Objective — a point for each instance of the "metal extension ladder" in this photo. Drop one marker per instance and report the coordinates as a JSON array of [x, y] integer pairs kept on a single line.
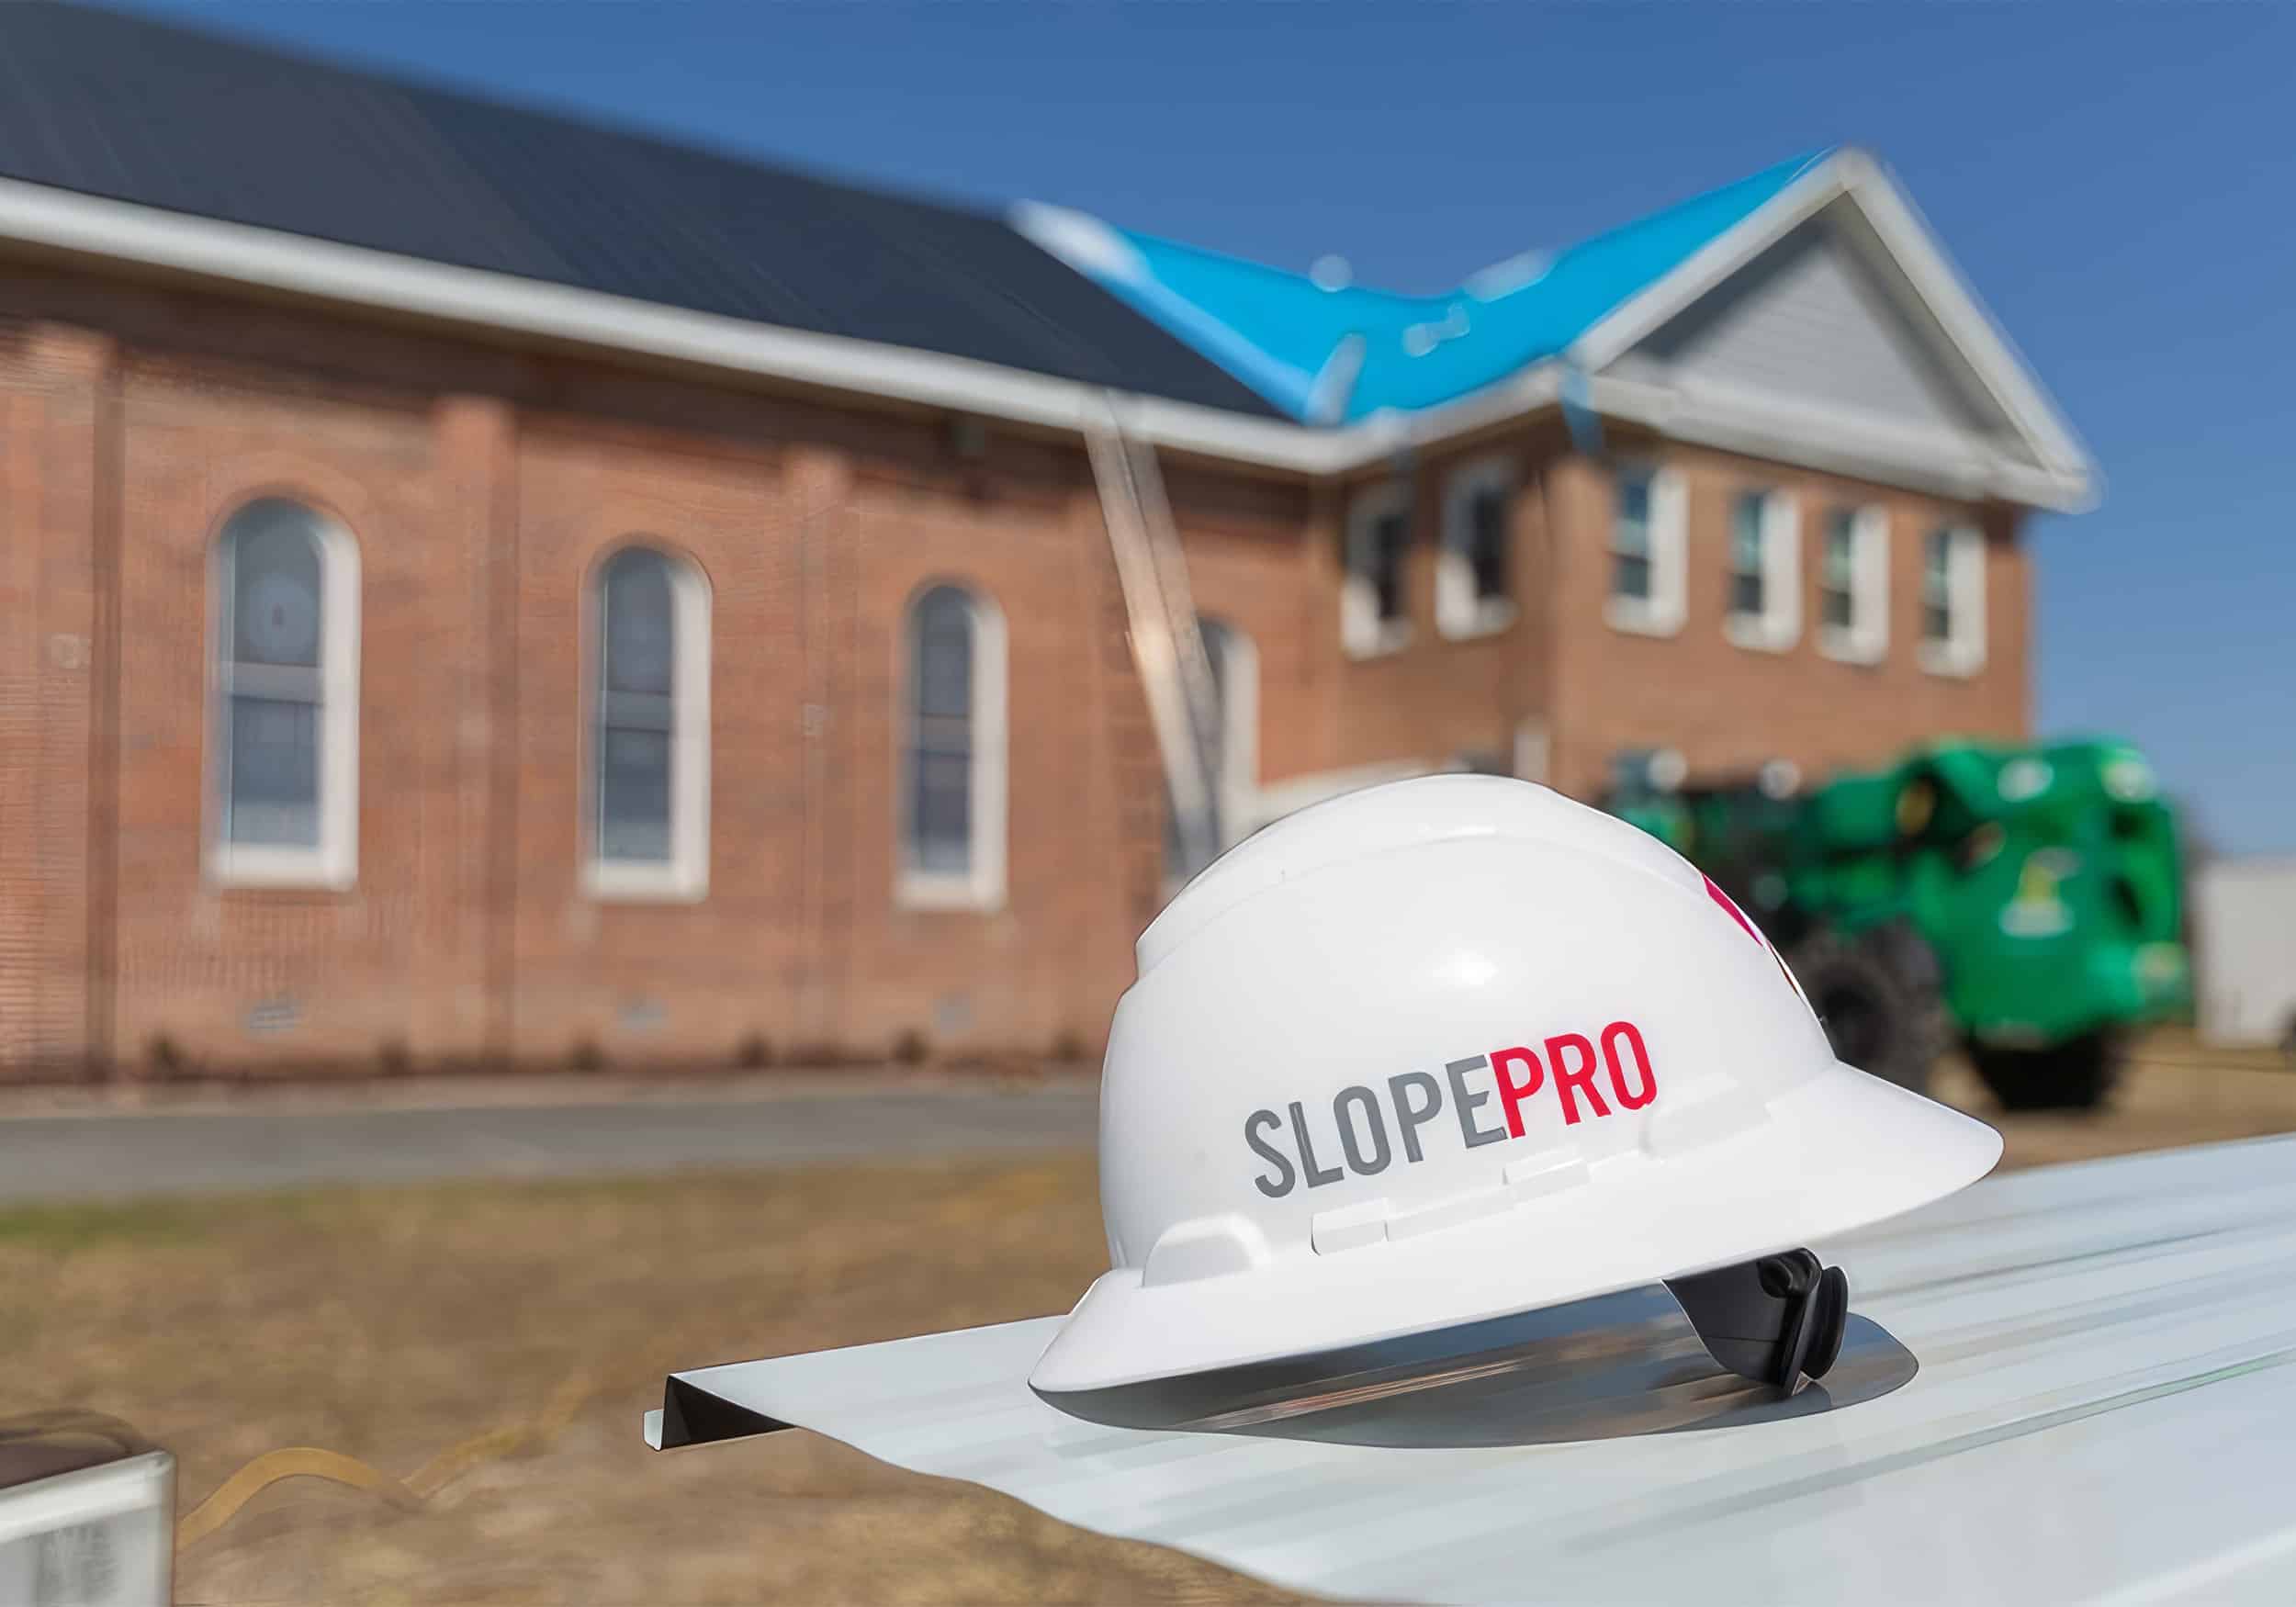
[[1167, 643]]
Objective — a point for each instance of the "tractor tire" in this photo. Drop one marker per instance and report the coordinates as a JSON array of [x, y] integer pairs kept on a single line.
[[2077, 1074], [1879, 998]]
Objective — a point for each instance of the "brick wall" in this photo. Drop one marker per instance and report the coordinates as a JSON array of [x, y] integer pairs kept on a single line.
[[1728, 708], [1439, 699], [483, 488], [482, 492], [56, 406]]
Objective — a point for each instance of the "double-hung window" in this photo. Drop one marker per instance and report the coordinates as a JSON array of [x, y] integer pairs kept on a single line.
[[1853, 586], [1649, 536], [1952, 600], [1763, 578], [1375, 605], [1475, 571]]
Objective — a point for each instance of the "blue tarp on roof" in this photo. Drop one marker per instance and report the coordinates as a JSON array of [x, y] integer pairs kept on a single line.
[[1334, 355]]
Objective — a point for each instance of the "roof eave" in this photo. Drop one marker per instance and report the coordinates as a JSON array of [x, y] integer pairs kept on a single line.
[[79, 225], [1932, 461], [93, 227]]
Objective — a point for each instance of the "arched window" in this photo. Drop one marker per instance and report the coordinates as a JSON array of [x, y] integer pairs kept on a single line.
[[285, 731], [1235, 678], [953, 783], [649, 755]]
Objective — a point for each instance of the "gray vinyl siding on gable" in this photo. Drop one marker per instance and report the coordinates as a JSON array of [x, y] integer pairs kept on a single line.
[[1806, 321]]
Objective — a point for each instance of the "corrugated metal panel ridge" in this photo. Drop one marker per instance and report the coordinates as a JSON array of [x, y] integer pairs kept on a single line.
[[132, 110], [2104, 1381]]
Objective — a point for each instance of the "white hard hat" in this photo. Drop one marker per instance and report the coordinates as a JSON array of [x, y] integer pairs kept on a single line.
[[1455, 1048]]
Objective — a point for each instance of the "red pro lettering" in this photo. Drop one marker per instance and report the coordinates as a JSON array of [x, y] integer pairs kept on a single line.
[[1511, 1093], [1573, 1081]]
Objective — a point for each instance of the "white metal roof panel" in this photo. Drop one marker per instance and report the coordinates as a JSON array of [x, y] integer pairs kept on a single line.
[[2104, 1411]]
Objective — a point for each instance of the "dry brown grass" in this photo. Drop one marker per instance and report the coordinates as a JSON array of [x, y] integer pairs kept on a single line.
[[391, 1324]]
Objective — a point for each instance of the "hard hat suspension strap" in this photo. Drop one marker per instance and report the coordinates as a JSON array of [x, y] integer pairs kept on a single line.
[[1776, 1320]]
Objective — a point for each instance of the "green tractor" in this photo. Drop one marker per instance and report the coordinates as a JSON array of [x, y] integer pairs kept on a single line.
[[2024, 900]]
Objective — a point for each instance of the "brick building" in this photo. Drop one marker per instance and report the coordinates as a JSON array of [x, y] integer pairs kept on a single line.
[[478, 588]]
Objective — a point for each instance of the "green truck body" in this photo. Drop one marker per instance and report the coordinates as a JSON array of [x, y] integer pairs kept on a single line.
[[2040, 887]]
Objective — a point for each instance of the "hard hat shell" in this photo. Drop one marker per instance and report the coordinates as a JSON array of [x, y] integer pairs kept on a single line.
[[1454, 1047]]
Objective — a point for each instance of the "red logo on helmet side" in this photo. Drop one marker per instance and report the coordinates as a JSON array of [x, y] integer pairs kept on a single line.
[[1598, 1076], [1730, 907]]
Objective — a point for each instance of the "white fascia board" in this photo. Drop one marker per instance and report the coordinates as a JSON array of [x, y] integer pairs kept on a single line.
[[327, 270], [1642, 315], [2066, 477], [1754, 423], [1372, 441], [1760, 425], [1979, 339], [66, 221]]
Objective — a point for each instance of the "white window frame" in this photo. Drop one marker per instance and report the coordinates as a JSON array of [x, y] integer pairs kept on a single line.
[[1661, 613], [980, 886], [1963, 652], [684, 876], [1362, 632], [333, 864], [1461, 613], [1779, 624], [1866, 639]]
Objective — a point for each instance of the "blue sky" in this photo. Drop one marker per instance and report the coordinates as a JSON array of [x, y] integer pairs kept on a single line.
[[2119, 182]]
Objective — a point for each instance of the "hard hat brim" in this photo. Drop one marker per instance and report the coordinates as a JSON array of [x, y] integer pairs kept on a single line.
[[1834, 1154]]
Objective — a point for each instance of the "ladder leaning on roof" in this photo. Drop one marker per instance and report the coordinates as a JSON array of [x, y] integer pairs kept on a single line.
[[1167, 641]]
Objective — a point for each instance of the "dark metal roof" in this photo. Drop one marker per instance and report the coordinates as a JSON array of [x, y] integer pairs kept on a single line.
[[136, 111]]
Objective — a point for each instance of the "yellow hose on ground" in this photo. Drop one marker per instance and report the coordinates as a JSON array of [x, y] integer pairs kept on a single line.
[[292, 1461], [410, 1494]]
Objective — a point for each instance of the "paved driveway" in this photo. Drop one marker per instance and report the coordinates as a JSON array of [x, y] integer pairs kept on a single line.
[[85, 1157]]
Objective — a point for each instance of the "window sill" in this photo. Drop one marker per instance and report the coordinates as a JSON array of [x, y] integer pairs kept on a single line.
[[1392, 638], [627, 882], [283, 870], [1955, 663], [1756, 635], [1848, 647], [1639, 618], [1489, 617], [919, 889]]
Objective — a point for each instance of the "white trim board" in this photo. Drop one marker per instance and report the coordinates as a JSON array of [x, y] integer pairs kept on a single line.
[[328, 271], [1977, 342], [88, 226]]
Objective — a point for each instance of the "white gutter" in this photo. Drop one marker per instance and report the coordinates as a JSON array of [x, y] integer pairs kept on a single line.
[[1936, 461], [64, 220], [242, 253], [1757, 425]]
